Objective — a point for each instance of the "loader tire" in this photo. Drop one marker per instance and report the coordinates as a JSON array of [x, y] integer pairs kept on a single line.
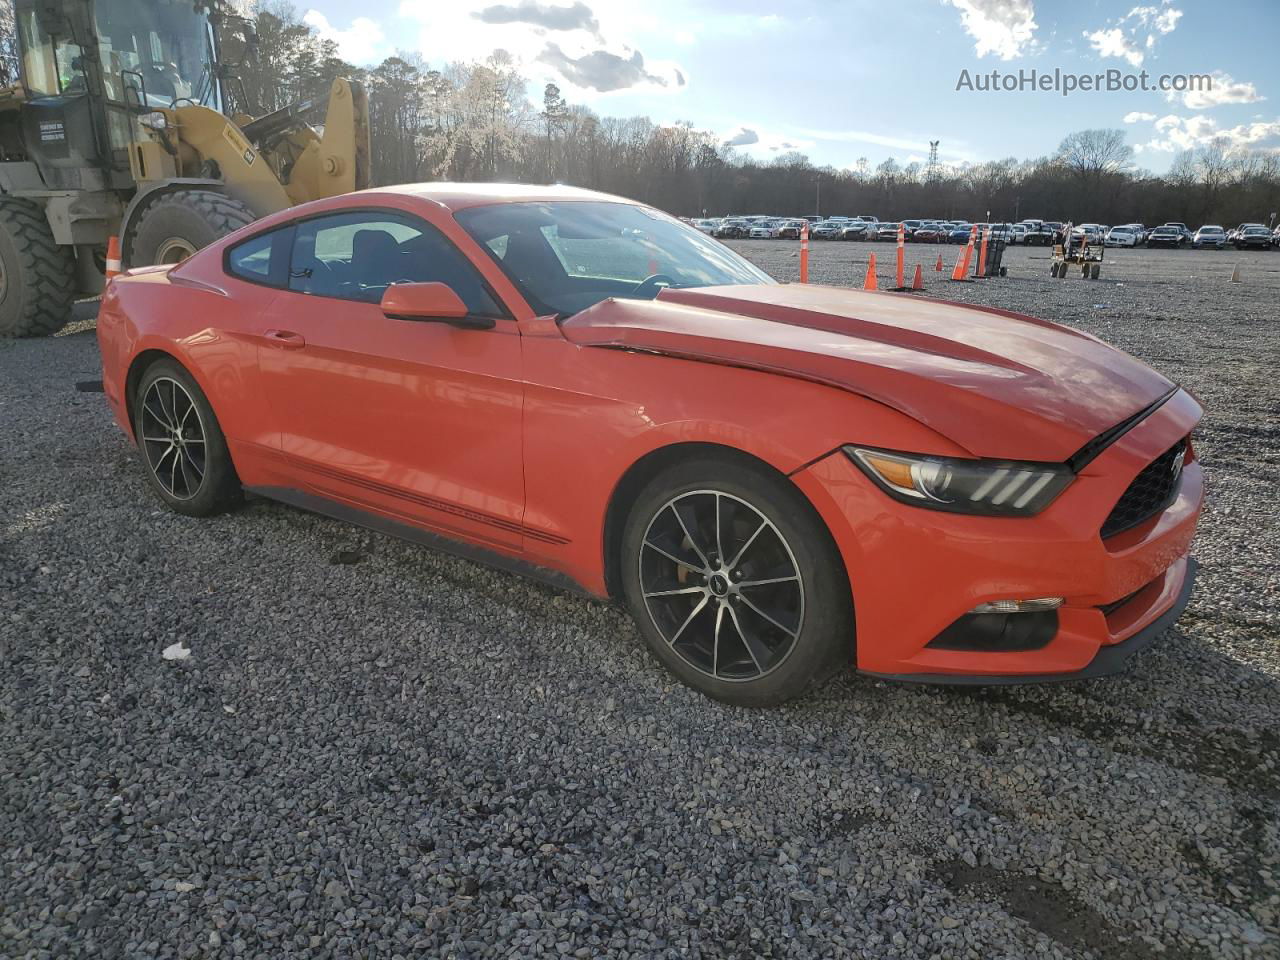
[[177, 224], [37, 277]]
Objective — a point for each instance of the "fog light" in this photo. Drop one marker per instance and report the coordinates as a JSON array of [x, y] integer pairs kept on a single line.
[[1039, 605]]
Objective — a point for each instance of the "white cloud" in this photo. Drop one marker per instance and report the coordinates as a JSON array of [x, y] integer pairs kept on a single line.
[[1133, 37], [361, 43], [761, 143], [1187, 133], [1115, 43], [905, 144], [1223, 89], [1004, 28], [1136, 116], [587, 47], [742, 137]]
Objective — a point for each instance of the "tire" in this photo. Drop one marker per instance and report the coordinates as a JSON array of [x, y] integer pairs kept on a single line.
[[775, 533], [1095, 271], [36, 275], [188, 481], [1053, 270], [177, 224]]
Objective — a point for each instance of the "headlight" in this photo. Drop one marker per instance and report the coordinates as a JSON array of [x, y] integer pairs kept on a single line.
[[999, 488]]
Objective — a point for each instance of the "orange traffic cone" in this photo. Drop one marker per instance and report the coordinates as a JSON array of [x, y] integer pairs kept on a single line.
[[804, 253], [870, 282], [962, 262], [900, 285], [938, 266], [917, 283], [113, 257], [982, 257]]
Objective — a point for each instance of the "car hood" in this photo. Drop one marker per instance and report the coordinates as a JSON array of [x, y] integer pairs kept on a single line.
[[997, 383]]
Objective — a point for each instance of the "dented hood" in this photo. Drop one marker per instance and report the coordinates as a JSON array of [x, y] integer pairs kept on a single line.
[[997, 383]]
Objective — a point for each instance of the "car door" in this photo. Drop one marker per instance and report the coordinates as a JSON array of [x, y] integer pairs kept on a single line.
[[417, 420]]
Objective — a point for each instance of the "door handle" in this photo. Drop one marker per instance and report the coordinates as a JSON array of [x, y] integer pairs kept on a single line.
[[285, 339]]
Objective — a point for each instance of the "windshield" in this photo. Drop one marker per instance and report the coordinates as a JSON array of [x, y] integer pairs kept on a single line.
[[167, 43], [567, 256]]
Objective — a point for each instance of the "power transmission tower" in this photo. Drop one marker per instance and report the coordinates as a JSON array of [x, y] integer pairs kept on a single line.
[[931, 170]]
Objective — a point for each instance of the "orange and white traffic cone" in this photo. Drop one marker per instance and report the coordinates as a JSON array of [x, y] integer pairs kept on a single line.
[[937, 267], [804, 252], [902, 235], [982, 257], [962, 262], [113, 258], [870, 282], [917, 282]]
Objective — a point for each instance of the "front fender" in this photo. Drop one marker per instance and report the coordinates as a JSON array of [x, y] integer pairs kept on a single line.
[[591, 415]]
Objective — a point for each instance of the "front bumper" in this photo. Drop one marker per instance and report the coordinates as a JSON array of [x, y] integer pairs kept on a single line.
[[915, 572], [1111, 658]]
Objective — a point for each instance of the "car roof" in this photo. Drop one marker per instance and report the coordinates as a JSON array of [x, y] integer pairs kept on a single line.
[[459, 196]]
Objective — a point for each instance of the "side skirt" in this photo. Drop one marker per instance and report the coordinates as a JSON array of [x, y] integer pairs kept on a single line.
[[417, 535]]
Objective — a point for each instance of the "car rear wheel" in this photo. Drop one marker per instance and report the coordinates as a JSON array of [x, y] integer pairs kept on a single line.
[[182, 446], [735, 582]]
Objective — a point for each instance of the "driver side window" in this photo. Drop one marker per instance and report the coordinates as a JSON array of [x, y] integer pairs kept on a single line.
[[356, 256]]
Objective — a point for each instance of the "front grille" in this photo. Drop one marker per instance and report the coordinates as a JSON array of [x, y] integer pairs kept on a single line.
[[1151, 491]]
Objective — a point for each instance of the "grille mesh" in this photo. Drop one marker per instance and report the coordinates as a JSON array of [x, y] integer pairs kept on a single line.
[[1151, 491]]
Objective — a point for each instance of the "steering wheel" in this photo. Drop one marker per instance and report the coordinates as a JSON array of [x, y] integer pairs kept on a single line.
[[652, 281]]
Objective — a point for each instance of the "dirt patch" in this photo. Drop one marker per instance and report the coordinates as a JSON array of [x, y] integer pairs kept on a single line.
[[1050, 909]]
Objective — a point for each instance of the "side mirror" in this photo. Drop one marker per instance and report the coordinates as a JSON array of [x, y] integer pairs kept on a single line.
[[430, 302]]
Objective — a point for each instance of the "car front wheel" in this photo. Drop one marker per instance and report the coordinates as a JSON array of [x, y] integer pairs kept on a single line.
[[735, 582]]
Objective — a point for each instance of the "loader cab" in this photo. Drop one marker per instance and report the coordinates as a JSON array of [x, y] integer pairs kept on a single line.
[[91, 69]]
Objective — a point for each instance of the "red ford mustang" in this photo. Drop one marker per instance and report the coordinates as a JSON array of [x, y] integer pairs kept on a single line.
[[778, 480]]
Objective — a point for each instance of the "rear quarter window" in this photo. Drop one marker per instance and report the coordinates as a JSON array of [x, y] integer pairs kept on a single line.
[[262, 259]]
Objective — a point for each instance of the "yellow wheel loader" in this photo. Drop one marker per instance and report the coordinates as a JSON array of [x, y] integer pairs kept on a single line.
[[116, 124]]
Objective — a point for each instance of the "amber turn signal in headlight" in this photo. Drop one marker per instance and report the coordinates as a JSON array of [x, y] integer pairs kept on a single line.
[[1000, 488]]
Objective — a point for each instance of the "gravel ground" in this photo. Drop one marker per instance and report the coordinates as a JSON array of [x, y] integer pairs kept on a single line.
[[377, 751]]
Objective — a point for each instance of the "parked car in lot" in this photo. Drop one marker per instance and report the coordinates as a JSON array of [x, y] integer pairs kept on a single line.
[[1209, 236], [1182, 229], [1253, 238], [931, 231], [790, 229], [855, 230], [1275, 237], [732, 230], [827, 230], [1018, 233], [1040, 233], [765, 230], [1166, 236], [705, 226], [1094, 232], [960, 233], [1121, 237], [886, 233], [502, 371]]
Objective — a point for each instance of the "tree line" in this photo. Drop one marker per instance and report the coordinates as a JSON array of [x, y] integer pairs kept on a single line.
[[477, 121]]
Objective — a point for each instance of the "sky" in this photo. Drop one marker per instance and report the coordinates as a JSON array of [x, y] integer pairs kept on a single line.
[[843, 80]]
